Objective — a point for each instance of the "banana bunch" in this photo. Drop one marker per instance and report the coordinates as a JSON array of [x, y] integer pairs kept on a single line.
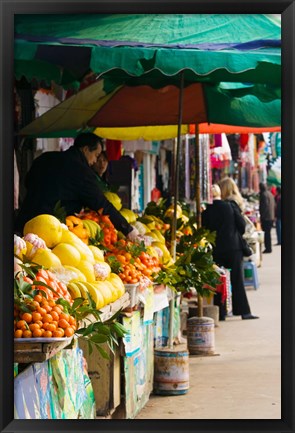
[[92, 228]]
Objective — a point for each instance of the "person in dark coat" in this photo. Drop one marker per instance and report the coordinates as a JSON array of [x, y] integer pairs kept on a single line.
[[226, 220], [278, 215], [267, 214], [67, 177]]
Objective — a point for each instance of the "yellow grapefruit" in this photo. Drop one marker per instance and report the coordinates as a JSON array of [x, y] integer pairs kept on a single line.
[[46, 258], [70, 238], [97, 253], [106, 290], [67, 253], [77, 274], [96, 295], [47, 227], [87, 269], [116, 281]]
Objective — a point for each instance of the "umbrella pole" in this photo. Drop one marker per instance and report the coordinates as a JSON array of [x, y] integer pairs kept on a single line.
[[176, 191], [198, 203]]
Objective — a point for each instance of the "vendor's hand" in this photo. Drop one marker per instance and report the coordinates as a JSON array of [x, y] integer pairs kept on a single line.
[[133, 235]]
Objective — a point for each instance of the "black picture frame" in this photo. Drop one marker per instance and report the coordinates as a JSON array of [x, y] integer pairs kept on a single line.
[[8, 9]]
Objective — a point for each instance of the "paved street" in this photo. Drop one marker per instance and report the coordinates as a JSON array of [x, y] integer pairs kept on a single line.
[[243, 380]]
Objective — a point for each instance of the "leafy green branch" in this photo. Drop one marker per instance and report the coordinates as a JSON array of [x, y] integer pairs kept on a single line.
[[136, 248], [96, 333], [115, 265]]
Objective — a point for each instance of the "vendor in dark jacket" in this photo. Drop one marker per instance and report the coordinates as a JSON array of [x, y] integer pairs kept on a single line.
[[67, 177], [226, 220]]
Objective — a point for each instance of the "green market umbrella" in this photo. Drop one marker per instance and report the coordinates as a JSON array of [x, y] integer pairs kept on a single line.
[[156, 50], [207, 48], [107, 105]]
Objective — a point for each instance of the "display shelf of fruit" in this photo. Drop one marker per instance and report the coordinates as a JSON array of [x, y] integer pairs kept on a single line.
[[34, 350], [36, 316], [80, 268]]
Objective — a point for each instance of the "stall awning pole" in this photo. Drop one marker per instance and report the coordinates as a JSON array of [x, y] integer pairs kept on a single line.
[[198, 202], [176, 192]]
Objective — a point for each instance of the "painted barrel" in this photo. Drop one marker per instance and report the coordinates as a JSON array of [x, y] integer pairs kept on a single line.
[[171, 371], [200, 335]]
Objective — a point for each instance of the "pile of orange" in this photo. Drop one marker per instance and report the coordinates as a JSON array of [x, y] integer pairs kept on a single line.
[[133, 268], [47, 319], [75, 225], [107, 227]]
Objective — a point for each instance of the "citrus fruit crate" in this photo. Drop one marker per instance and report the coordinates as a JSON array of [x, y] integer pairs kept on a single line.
[[27, 350]]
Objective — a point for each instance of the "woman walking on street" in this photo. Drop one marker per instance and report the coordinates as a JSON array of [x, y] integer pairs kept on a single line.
[[224, 217], [267, 214]]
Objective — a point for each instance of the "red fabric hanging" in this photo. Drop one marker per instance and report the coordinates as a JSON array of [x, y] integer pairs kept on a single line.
[[221, 288], [113, 149], [244, 138], [155, 194], [217, 140]]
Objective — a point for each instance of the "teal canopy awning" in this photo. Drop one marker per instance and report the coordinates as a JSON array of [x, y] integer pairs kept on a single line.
[[207, 48]]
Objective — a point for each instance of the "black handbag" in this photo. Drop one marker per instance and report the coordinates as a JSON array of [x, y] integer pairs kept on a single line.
[[246, 249]]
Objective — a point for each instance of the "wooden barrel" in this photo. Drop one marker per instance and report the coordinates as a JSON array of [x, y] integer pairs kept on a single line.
[[200, 335], [171, 371]]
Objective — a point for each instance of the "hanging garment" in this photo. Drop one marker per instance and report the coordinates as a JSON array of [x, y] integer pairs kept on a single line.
[[114, 149]]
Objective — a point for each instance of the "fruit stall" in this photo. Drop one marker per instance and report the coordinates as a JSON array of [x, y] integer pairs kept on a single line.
[[89, 300], [77, 284]]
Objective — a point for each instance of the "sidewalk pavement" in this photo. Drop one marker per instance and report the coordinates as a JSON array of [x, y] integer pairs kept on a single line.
[[243, 380]]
